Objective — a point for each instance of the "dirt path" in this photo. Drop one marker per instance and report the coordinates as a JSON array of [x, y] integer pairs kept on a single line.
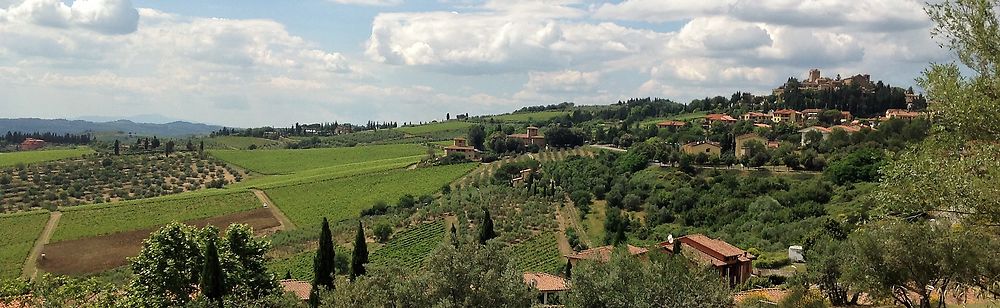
[[30, 268], [574, 220], [286, 224], [564, 247]]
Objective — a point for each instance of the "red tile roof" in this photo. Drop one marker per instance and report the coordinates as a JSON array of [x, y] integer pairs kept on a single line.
[[298, 287], [603, 253], [710, 250], [671, 123], [786, 112], [545, 282], [719, 117]]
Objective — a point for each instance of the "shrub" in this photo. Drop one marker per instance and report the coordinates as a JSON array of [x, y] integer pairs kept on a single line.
[[382, 231]]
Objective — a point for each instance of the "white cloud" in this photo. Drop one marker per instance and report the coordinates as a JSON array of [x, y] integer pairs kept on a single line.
[[104, 16]]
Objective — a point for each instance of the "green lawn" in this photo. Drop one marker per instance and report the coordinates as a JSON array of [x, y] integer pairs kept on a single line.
[[344, 198], [17, 236], [432, 128], [529, 116], [100, 219], [289, 161], [30, 157]]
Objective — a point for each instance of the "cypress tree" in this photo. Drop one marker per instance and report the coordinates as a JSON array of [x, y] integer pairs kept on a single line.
[[288, 275], [360, 257], [313, 297], [569, 269], [213, 280], [117, 147], [454, 236], [677, 246], [323, 268], [486, 232]]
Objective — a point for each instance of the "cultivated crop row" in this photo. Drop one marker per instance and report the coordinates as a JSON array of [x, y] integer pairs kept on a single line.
[[18, 233], [290, 161], [539, 254], [409, 248], [93, 220]]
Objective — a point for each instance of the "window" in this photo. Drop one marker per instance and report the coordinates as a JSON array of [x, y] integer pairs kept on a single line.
[[709, 150]]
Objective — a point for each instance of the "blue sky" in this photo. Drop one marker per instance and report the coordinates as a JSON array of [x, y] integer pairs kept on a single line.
[[253, 63]]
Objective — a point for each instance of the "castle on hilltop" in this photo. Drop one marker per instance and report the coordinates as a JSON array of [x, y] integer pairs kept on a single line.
[[817, 82]]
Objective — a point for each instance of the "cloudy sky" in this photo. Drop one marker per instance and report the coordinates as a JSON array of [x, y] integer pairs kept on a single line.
[[256, 62]]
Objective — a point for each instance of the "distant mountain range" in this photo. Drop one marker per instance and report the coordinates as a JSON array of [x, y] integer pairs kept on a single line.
[[62, 126]]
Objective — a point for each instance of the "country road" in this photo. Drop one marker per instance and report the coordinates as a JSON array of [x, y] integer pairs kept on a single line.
[[30, 268], [286, 224]]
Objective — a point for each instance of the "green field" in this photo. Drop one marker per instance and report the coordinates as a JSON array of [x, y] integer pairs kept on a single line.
[[17, 236], [344, 198], [93, 220], [409, 248], [327, 173], [239, 142], [30, 157], [289, 161], [539, 254], [434, 128], [529, 116]]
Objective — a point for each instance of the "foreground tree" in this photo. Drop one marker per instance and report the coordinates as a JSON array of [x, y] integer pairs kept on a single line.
[[323, 263], [360, 256], [167, 269], [470, 275], [626, 281], [213, 280], [486, 232]]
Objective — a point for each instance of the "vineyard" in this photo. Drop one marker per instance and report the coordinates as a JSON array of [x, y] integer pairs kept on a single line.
[[539, 254], [94, 220], [31, 157], [17, 236], [274, 162], [448, 129], [240, 143], [343, 198], [409, 248], [328, 173], [99, 179], [300, 265]]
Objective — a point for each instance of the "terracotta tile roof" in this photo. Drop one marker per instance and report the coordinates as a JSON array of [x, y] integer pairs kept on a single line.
[[709, 250], [298, 287], [545, 282], [786, 112], [772, 294], [712, 143], [671, 123], [762, 125], [16, 302], [716, 245], [816, 128], [603, 253], [849, 129], [756, 114], [525, 136], [719, 117], [812, 110]]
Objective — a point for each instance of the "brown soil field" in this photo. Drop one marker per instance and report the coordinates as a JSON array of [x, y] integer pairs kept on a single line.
[[102, 253]]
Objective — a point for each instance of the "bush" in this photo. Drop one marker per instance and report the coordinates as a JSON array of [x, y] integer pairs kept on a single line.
[[382, 231]]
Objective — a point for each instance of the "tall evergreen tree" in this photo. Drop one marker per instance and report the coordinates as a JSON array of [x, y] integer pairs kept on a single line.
[[360, 257], [323, 263], [569, 269], [201, 148], [454, 236], [213, 280], [118, 147], [486, 232]]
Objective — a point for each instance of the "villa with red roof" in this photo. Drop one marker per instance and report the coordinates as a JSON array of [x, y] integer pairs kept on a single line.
[[550, 286], [733, 264]]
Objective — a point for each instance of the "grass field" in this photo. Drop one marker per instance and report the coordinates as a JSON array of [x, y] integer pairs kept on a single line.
[[344, 198], [538, 254], [528, 116], [327, 173], [17, 236], [93, 220], [289, 161], [432, 128], [30, 157], [239, 142], [409, 248]]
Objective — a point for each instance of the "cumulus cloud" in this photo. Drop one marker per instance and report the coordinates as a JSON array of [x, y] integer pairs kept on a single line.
[[104, 16]]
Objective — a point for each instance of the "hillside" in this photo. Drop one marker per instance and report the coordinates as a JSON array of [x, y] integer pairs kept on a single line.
[[62, 126]]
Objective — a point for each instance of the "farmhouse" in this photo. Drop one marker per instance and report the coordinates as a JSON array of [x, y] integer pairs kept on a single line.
[[531, 137], [756, 117], [743, 140], [713, 118], [32, 144], [460, 147], [550, 286], [603, 254], [298, 287], [671, 124], [787, 116], [733, 263], [710, 148], [902, 114]]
